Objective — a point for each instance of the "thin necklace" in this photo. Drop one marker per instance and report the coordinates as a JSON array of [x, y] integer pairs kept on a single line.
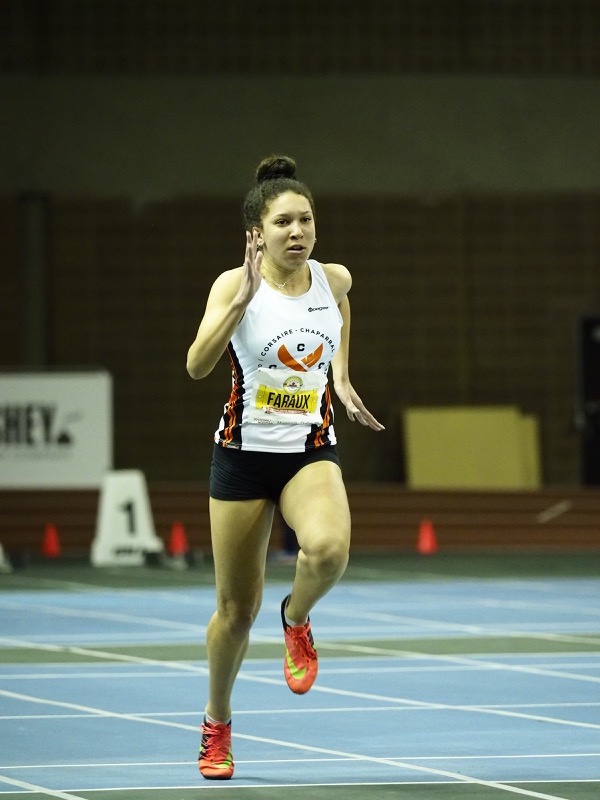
[[281, 285]]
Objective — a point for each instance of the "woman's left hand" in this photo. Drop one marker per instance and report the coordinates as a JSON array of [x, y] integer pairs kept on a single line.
[[355, 408]]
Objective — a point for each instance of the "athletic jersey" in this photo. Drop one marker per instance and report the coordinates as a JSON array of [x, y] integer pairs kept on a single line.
[[280, 354]]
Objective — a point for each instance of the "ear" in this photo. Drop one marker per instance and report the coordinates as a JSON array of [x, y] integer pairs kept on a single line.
[[260, 236]]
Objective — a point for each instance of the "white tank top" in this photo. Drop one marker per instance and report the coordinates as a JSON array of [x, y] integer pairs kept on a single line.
[[280, 354]]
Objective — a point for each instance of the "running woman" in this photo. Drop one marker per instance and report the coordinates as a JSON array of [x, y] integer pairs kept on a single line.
[[284, 320]]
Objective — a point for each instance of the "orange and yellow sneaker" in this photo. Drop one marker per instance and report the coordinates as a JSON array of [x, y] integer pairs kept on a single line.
[[300, 665], [215, 759]]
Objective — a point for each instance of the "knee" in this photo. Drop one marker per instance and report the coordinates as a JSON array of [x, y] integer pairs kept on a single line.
[[328, 557], [237, 616]]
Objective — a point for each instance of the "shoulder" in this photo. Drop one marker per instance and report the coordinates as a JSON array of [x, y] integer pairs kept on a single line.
[[227, 284], [231, 277], [340, 280]]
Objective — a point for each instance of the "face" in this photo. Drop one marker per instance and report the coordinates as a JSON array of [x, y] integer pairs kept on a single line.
[[288, 230]]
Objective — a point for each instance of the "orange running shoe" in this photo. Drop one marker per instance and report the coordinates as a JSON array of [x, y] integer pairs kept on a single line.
[[215, 759], [300, 665]]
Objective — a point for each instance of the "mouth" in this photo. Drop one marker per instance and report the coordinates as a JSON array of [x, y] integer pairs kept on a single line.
[[296, 248]]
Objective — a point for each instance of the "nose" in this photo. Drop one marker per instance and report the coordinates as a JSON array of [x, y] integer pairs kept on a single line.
[[295, 229]]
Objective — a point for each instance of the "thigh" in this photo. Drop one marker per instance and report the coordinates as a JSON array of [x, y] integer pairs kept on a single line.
[[240, 531], [314, 503]]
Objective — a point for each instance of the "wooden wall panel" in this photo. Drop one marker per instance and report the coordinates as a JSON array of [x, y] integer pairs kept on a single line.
[[384, 517]]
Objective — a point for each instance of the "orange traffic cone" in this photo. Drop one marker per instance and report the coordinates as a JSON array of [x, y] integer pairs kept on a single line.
[[426, 542], [181, 556], [178, 543], [50, 542]]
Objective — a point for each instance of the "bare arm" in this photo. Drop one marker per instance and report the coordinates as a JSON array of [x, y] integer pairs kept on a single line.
[[227, 301], [355, 408]]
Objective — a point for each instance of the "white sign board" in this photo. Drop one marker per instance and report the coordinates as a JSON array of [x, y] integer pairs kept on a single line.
[[124, 526], [55, 429]]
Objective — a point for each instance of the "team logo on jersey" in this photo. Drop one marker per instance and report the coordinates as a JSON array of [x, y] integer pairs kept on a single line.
[[304, 364]]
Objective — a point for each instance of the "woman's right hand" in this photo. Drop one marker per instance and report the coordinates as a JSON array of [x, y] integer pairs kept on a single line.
[[225, 307], [251, 275]]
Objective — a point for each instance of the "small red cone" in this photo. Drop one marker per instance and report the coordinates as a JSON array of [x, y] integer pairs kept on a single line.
[[427, 542], [50, 542], [178, 543]]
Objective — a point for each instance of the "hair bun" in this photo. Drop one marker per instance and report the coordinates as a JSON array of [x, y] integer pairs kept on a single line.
[[273, 167]]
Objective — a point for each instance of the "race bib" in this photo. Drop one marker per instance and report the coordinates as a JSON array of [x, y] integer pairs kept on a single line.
[[286, 396]]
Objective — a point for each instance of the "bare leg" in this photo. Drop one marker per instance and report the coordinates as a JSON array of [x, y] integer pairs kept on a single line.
[[315, 504], [240, 533]]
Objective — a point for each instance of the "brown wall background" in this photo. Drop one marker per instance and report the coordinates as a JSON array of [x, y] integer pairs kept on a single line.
[[472, 230]]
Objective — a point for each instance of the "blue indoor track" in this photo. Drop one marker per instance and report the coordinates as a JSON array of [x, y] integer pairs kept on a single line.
[[449, 685]]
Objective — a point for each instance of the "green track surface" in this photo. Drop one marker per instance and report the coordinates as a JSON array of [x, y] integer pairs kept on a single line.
[[78, 574], [438, 791]]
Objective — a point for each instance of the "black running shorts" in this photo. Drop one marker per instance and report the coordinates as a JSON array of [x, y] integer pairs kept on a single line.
[[252, 475]]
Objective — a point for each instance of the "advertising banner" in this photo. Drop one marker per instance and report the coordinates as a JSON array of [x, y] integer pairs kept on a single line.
[[55, 429]]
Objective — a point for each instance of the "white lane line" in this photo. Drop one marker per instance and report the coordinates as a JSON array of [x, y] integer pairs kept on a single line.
[[455, 776], [311, 759], [259, 667], [113, 616], [257, 712], [464, 660], [397, 764], [245, 676], [32, 787]]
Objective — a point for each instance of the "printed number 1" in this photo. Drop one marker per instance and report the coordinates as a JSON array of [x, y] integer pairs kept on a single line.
[[129, 510]]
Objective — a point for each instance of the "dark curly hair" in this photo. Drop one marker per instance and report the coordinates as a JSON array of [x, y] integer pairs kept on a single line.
[[274, 176]]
